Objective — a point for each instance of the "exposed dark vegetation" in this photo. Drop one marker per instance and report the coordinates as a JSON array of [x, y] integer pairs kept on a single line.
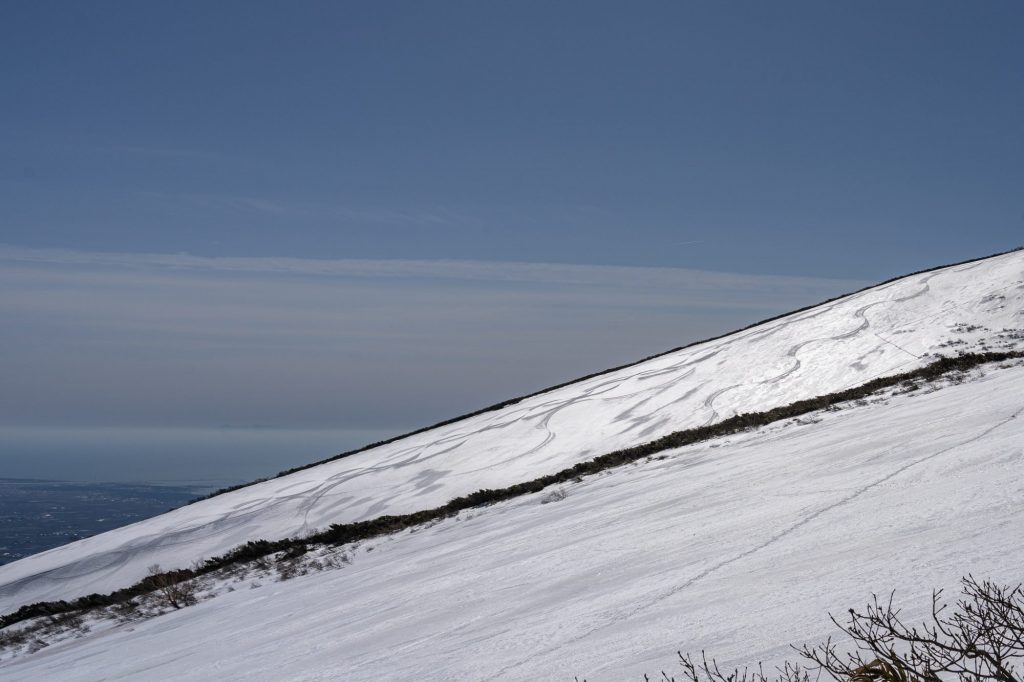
[[36, 638], [176, 588], [513, 401], [344, 533], [981, 638]]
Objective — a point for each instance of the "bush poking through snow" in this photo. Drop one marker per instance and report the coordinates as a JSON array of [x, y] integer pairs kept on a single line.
[[12, 639], [556, 495], [978, 639], [126, 611], [176, 588], [162, 590]]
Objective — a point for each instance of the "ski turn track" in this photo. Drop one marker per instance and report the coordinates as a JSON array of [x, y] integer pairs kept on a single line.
[[895, 327]]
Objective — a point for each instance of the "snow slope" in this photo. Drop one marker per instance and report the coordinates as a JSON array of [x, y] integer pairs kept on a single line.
[[739, 546], [882, 330]]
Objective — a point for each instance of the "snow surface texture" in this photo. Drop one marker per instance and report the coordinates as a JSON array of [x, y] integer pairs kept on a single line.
[[886, 329], [740, 546]]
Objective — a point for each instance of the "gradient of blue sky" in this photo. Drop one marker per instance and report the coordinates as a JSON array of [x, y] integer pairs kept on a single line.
[[287, 148], [853, 139]]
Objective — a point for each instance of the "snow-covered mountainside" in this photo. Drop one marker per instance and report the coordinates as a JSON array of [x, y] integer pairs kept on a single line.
[[879, 331], [738, 545]]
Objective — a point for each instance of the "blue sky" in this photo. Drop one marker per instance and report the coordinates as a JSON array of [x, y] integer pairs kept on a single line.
[[830, 139], [805, 147]]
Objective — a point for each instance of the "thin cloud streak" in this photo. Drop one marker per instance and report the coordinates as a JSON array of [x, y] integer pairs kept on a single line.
[[157, 340], [551, 273]]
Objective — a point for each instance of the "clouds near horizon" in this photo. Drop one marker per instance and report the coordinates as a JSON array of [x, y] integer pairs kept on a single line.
[[117, 339]]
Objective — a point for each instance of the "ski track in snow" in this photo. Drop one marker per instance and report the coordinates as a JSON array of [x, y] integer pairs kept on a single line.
[[740, 546], [661, 597], [820, 350]]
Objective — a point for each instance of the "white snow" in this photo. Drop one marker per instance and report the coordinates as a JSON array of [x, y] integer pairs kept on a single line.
[[882, 330], [740, 546]]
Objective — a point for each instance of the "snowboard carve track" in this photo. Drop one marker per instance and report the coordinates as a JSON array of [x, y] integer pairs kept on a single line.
[[549, 431]]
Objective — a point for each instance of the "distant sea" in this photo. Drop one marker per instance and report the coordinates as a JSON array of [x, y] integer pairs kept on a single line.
[[39, 515], [168, 455], [100, 466]]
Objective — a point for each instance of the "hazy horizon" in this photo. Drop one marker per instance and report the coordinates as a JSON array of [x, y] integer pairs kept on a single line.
[[233, 369]]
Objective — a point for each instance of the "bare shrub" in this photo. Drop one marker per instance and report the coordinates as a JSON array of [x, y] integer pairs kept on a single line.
[[64, 622], [979, 639], [333, 560], [290, 568], [556, 495], [12, 639], [126, 611], [700, 670], [175, 590], [36, 645]]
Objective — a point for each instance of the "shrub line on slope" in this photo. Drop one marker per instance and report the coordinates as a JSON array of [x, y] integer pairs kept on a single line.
[[513, 401], [344, 533]]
